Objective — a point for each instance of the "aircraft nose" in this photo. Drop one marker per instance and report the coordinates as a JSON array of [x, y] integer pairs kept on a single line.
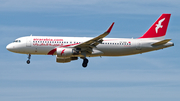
[[9, 47]]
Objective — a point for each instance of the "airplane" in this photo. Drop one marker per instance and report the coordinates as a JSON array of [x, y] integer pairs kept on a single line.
[[68, 49]]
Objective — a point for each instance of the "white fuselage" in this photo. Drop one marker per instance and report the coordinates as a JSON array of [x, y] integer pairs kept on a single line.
[[67, 49], [43, 45]]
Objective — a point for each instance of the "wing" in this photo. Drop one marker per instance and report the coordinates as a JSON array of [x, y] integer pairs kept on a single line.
[[95, 41], [90, 44]]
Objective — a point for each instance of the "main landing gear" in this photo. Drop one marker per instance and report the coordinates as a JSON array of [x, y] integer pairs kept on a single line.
[[29, 57], [85, 62]]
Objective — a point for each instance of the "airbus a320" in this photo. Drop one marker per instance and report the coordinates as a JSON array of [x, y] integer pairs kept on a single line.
[[68, 49]]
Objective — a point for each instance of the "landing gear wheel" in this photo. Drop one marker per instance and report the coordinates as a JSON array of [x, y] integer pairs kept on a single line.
[[28, 61], [85, 62], [29, 57], [84, 65]]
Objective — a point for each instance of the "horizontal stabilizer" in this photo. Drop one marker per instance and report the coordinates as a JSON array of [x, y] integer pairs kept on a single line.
[[161, 42]]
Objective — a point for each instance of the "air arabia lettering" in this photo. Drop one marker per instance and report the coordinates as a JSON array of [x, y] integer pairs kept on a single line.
[[46, 39], [47, 42]]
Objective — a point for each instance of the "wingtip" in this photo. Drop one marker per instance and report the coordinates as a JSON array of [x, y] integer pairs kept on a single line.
[[109, 29]]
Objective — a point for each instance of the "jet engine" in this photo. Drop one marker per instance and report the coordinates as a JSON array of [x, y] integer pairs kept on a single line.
[[67, 52], [65, 60]]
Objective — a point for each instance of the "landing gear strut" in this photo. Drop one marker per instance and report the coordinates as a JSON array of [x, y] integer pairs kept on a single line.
[[85, 62], [29, 57]]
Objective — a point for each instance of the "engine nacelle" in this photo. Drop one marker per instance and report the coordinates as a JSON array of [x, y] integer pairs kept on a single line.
[[65, 60], [66, 52]]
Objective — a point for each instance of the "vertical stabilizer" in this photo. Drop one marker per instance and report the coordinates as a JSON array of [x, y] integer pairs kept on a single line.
[[159, 28]]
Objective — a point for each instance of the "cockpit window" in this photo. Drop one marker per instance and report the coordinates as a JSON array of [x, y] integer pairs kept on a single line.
[[17, 41]]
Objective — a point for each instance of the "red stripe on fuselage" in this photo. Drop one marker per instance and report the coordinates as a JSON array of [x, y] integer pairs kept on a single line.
[[112, 39], [54, 50]]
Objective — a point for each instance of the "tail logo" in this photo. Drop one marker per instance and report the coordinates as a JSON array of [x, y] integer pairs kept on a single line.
[[159, 25]]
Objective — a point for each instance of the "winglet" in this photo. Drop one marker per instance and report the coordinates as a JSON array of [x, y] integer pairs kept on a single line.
[[109, 29]]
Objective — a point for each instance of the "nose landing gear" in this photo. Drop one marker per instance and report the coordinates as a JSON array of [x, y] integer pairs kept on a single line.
[[29, 57]]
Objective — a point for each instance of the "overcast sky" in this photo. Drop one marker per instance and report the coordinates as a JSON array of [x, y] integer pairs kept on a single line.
[[153, 76]]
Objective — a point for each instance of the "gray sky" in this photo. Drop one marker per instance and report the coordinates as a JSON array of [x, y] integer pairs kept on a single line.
[[149, 76]]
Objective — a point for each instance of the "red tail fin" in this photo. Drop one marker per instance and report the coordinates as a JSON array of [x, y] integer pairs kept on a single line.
[[159, 28]]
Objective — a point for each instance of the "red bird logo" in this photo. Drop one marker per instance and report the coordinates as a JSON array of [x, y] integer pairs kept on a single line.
[[159, 25], [62, 51]]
